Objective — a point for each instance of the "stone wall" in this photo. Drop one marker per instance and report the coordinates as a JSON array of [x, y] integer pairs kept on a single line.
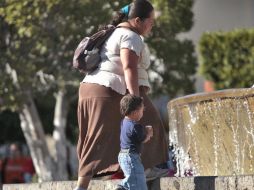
[[168, 183]]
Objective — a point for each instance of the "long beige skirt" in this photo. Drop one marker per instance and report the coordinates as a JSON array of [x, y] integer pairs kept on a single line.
[[99, 131]]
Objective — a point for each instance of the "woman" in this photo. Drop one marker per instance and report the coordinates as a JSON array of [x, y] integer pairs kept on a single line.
[[122, 70]]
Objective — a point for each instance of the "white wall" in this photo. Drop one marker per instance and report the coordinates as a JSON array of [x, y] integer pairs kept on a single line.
[[224, 15]]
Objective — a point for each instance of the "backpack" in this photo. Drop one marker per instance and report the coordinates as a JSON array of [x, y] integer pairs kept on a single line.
[[87, 55]]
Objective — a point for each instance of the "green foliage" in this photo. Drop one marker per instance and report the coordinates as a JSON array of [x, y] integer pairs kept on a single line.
[[21, 49], [40, 37], [175, 57], [227, 58]]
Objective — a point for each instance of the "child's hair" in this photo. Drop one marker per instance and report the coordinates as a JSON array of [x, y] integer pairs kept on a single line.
[[130, 103]]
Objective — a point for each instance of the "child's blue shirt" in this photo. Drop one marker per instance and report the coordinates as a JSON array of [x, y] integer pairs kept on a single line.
[[132, 135]]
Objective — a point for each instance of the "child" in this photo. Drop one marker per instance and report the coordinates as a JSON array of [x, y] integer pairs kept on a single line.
[[132, 136]]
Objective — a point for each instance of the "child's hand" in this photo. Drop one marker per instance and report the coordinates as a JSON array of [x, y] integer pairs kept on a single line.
[[149, 131]]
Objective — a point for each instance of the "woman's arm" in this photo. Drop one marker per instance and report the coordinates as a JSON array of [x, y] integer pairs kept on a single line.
[[129, 60]]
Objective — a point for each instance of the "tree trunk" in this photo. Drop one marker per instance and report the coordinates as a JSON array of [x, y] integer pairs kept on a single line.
[[35, 138], [60, 117]]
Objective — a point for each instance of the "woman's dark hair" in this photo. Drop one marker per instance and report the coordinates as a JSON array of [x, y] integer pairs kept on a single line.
[[138, 8], [130, 103]]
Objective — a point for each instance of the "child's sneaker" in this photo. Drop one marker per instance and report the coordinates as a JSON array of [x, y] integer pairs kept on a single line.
[[118, 175]]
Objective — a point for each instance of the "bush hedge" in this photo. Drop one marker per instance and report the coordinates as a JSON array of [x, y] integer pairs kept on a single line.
[[227, 58]]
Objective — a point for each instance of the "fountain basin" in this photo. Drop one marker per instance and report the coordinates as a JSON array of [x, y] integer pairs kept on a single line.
[[213, 133]]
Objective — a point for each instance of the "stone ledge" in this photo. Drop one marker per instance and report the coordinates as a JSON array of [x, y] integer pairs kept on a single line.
[[167, 183]]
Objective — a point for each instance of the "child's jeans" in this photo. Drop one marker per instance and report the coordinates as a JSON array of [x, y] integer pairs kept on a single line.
[[133, 171]]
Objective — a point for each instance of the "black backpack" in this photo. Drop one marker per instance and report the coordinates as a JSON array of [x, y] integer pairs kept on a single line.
[[87, 55]]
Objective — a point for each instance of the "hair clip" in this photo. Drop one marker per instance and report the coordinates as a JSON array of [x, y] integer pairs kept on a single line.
[[126, 10]]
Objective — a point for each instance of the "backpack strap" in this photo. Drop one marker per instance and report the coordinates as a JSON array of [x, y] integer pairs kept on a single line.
[[130, 28]]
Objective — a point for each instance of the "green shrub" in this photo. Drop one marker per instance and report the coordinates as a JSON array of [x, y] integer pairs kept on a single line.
[[227, 58]]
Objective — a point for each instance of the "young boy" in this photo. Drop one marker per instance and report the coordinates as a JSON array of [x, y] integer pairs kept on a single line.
[[132, 136]]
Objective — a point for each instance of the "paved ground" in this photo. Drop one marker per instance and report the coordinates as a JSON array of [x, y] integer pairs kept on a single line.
[[167, 183]]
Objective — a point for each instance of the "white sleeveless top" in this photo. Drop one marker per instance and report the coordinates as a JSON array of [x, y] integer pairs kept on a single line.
[[110, 71]]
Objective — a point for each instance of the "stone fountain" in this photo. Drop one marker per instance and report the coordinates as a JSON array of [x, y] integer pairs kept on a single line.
[[213, 133]]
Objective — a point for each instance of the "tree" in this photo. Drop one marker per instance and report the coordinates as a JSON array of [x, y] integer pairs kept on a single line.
[[174, 60]]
